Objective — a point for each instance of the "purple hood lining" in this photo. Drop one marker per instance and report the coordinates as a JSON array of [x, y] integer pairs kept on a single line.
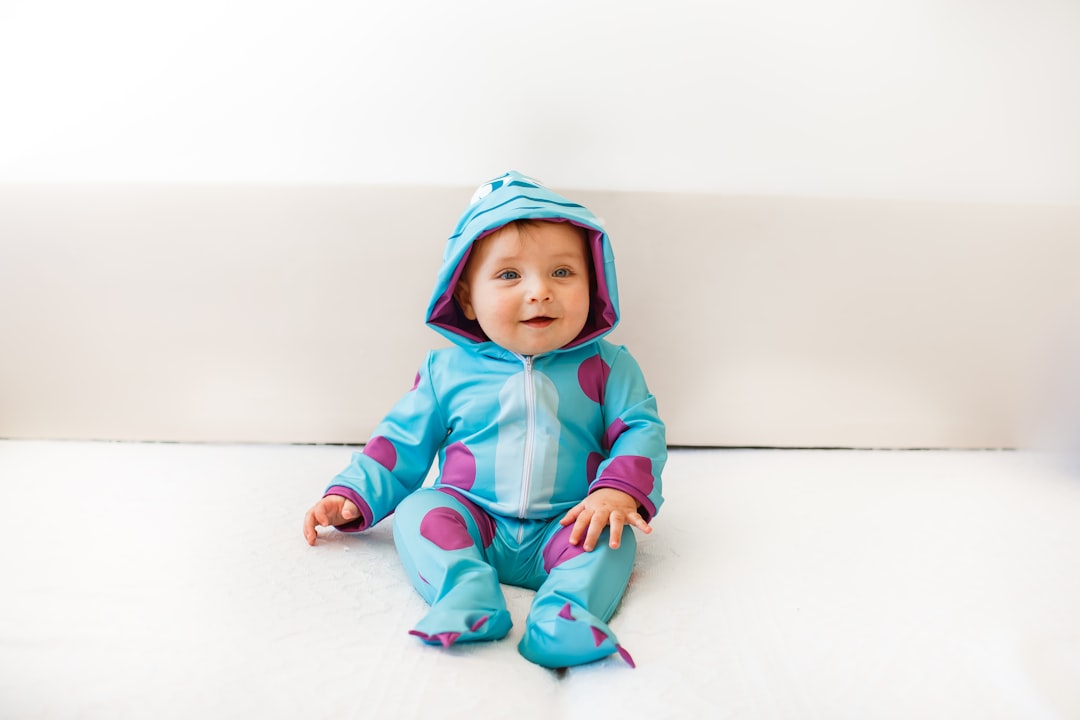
[[447, 314]]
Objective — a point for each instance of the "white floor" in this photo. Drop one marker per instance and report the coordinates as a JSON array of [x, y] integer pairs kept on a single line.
[[172, 581]]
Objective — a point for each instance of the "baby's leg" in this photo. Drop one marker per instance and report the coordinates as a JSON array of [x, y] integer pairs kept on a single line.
[[441, 538], [567, 624]]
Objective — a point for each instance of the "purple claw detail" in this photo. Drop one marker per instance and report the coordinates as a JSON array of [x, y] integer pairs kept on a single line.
[[478, 624], [625, 656], [598, 636], [447, 638], [565, 612]]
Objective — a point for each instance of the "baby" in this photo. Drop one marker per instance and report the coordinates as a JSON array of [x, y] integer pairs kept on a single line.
[[549, 443]]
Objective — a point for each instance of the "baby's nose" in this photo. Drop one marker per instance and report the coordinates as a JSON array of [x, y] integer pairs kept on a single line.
[[539, 289]]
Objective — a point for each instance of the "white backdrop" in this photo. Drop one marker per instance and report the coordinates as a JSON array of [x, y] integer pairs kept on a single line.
[[939, 99]]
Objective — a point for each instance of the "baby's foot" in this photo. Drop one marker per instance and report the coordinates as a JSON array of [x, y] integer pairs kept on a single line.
[[564, 640], [448, 628]]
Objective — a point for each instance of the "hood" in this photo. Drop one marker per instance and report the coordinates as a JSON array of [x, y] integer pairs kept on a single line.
[[510, 197]]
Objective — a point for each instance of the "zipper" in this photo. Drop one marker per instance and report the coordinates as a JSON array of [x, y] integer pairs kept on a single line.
[[530, 432]]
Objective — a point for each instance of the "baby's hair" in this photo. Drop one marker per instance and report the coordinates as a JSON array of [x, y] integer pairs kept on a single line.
[[523, 225], [529, 223]]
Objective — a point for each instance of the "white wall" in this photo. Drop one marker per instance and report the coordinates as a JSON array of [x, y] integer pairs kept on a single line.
[[941, 99], [294, 313]]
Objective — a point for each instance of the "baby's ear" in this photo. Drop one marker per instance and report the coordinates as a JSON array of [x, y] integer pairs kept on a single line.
[[461, 294]]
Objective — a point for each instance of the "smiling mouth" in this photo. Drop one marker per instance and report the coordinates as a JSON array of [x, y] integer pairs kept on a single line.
[[538, 322]]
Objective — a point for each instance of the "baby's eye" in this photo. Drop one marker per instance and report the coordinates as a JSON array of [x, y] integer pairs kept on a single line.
[[508, 275], [562, 273]]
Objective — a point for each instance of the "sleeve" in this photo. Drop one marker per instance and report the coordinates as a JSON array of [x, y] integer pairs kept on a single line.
[[635, 437], [396, 459]]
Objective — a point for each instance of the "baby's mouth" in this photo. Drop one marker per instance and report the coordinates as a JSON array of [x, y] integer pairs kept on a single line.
[[539, 322]]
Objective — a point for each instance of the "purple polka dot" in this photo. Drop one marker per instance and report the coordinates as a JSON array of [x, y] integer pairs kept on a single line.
[[381, 451], [446, 528], [559, 549], [592, 464], [459, 467], [592, 375], [484, 522], [616, 429], [634, 471]]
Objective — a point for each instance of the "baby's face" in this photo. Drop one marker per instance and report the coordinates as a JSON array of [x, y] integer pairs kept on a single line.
[[528, 289]]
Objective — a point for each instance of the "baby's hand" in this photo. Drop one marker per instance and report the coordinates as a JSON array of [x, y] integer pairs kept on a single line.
[[331, 510], [606, 506]]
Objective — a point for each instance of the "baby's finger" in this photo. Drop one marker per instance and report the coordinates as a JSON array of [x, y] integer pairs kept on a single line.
[[309, 528], [599, 522], [570, 516], [581, 526], [616, 531], [639, 522]]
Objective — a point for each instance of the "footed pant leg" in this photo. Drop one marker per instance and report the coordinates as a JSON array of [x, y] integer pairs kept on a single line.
[[441, 538], [567, 624]]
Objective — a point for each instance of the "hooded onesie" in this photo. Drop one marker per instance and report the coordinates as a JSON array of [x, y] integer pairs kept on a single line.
[[520, 440]]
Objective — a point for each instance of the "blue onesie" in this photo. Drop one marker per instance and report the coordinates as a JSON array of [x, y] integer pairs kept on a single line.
[[520, 440]]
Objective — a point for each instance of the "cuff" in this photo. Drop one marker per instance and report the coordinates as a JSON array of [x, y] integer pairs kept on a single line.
[[365, 520]]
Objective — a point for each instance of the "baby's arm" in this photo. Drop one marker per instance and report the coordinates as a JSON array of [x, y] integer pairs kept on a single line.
[[331, 510], [394, 462], [603, 507]]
